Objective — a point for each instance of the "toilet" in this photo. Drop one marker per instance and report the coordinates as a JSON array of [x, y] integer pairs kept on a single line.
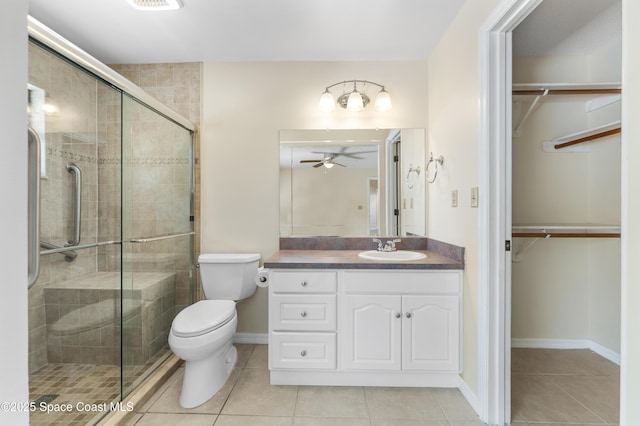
[[201, 333]]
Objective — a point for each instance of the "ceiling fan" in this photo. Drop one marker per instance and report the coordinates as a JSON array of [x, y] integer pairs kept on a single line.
[[329, 157], [326, 161]]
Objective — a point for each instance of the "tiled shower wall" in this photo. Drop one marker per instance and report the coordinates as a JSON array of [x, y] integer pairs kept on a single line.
[[71, 136], [87, 131], [178, 86]]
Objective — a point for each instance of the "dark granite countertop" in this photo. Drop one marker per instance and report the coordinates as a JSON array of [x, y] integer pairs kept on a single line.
[[341, 253]]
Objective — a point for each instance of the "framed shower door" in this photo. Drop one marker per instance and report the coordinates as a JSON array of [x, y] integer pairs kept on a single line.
[[158, 237]]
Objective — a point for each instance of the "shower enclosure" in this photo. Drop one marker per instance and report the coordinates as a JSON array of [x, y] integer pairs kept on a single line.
[[111, 230]]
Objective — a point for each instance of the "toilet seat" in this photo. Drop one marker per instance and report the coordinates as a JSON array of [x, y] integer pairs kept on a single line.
[[203, 317]]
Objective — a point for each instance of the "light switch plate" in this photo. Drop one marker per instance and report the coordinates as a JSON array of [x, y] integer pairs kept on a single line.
[[454, 198], [474, 196]]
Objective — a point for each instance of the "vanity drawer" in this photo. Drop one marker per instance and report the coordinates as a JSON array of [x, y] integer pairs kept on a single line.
[[303, 350], [303, 282], [303, 312]]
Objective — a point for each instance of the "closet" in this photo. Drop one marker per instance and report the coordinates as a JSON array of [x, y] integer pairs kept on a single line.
[[565, 271]]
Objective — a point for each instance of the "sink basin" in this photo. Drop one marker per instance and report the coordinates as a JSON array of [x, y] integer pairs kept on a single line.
[[395, 256]]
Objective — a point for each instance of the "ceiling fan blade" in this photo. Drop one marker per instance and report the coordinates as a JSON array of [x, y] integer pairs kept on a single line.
[[311, 161], [320, 164], [338, 164]]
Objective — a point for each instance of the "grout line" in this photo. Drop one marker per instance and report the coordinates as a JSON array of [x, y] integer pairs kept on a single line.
[[580, 403]]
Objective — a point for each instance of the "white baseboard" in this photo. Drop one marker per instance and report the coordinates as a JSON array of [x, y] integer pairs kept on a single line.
[[251, 338], [567, 344], [470, 396], [605, 352]]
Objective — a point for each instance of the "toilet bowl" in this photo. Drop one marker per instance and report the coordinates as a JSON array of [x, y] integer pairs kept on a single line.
[[206, 347], [201, 334]]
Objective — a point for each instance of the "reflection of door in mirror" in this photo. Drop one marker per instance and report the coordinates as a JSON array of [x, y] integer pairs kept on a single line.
[[327, 182], [373, 207], [412, 183]]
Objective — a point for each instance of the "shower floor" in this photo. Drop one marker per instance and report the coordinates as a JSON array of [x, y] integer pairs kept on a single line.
[[87, 388]]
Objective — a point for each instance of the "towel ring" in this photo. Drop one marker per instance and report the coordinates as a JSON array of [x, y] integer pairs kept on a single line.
[[436, 161], [412, 170]]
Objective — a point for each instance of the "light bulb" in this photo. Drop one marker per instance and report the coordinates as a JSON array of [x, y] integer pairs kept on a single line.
[[327, 103], [328, 165], [383, 101], [355, 102]]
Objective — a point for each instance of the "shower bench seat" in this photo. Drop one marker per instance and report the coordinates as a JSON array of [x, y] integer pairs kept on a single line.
[[84, 321]]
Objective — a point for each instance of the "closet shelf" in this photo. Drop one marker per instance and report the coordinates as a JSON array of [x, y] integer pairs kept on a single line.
[[566, 231], [544, 89], [612, 91], [583, 136]]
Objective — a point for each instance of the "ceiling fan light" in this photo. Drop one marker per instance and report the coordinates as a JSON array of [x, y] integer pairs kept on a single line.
[[328, 164], [355, 102], [383, 101], [327, 103]]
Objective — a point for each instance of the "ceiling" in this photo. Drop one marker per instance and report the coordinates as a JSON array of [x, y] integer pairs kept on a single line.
[[568, 27], [251, 30]]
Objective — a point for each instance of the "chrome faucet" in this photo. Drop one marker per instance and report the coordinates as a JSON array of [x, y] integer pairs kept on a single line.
[[388, 246]]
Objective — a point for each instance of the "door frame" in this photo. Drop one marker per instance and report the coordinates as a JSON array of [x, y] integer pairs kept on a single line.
[[494, 269]]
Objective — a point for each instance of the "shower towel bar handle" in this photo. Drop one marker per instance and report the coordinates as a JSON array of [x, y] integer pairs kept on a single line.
[[33, 207], [77, 199]]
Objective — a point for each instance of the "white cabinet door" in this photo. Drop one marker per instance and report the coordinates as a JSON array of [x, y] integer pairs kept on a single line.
[[372, 336], [430, 333]]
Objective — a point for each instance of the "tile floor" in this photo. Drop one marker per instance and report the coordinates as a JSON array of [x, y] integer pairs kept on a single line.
[[249, 399], [569, 387], [70, 383]]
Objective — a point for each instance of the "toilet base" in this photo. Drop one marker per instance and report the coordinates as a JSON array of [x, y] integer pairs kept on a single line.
[[203, 378]]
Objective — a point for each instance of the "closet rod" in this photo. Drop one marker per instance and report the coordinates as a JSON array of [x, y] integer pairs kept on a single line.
[[565, 235], [540, 92], [589, 138]]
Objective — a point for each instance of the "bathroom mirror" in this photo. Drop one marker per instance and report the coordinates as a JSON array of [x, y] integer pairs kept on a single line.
[[352, 183]]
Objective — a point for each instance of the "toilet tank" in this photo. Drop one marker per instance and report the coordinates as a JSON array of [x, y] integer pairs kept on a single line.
[[228, 276]]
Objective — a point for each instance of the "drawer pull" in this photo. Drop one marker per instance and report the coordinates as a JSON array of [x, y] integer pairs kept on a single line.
[[303, 283], [303, 353], [398, 314], [303, 314], [408, 314]]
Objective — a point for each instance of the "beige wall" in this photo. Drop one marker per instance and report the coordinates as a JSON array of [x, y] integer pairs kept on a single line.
[[453, 132], [244, 107]]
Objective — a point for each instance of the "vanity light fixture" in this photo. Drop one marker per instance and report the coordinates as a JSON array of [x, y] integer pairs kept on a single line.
[[151, 5], [355, 99]]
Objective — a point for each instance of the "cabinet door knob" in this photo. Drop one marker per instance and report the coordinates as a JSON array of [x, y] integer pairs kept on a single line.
[[303, 314], [398, 314], [303, 353], [303, 283], [408, 314]]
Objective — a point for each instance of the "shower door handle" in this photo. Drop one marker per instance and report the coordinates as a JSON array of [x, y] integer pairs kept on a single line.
[[34, 206], [77, 198]]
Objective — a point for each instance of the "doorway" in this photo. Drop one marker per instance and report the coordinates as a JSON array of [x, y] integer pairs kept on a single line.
[[496, 215]]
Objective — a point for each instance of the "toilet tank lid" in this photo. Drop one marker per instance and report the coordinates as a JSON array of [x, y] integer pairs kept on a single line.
[[228, 257]]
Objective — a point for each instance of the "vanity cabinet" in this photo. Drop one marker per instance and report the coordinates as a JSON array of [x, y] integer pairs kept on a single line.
[[401, 332], [376, 327], [302, 319], [401, 320]]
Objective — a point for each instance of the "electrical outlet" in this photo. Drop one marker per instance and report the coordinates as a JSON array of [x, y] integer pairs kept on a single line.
[[454, 198], [474, 196]]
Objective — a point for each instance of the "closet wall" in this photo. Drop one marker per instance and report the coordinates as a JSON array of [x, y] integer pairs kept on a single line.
[[566, 291]]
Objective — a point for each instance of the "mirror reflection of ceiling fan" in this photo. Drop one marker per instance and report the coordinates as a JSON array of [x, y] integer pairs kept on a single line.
[[326, 161], [329, 157]]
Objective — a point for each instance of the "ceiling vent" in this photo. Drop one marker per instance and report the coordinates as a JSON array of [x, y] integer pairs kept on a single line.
[[156, 4]]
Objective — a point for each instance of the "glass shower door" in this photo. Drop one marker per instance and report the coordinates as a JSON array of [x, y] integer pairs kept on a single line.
[[74, 318], [157, 247]]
